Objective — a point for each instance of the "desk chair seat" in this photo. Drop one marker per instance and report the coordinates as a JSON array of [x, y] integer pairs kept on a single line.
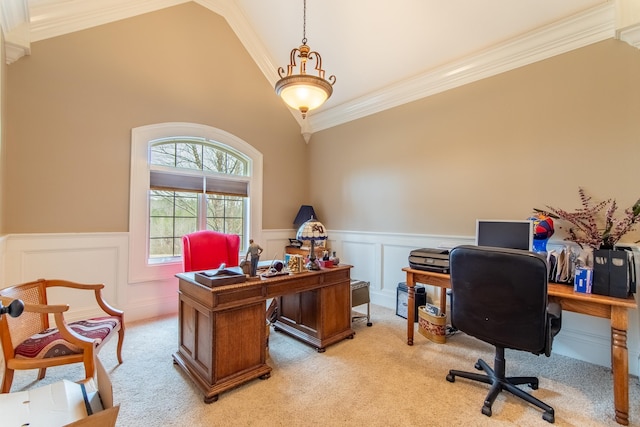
[[500, 297], [51, 343]]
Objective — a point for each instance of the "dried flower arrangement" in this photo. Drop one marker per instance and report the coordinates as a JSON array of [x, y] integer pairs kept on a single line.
[[585, 230]]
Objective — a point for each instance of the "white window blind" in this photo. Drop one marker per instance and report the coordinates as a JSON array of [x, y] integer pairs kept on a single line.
[[168, 181]]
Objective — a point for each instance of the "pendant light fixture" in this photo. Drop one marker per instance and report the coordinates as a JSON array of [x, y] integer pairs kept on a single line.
[[303, 91]]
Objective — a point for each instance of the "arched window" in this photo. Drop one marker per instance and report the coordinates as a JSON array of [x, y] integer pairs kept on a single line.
[[195, 184], [187, 177]]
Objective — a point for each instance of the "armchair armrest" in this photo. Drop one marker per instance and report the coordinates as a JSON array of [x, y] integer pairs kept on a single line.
[[60, 323], [97, 288]]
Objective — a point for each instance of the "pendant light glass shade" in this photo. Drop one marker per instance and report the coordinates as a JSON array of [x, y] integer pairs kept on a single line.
[[304, 92]]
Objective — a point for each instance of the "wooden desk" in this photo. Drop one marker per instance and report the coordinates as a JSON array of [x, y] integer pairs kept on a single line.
[[222, 336], [614, 309]]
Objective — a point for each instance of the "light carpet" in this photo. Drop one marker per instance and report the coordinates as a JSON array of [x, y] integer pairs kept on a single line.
[[374, 379]]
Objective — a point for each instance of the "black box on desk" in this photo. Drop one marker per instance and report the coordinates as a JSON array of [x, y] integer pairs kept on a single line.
[[402, 300], [610, 273]]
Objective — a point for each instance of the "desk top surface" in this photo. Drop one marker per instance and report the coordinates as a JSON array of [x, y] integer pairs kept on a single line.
[[561, 290], [258, 280]]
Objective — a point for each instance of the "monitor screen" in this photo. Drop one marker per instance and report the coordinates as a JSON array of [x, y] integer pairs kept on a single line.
[[511, 234]]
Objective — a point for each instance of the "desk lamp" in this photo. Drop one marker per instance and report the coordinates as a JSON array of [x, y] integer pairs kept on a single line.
[[312, 231], [305, 213]]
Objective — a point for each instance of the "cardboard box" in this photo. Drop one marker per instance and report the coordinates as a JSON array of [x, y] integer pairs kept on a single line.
[[583, 280], [64, 403]]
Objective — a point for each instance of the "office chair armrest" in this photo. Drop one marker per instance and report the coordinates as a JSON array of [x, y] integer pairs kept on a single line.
[[554, 324]]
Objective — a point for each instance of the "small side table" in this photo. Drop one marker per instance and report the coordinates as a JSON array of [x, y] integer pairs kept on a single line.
[[360, 296]]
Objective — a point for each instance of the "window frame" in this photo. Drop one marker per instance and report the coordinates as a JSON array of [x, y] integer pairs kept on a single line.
[[140, 269]]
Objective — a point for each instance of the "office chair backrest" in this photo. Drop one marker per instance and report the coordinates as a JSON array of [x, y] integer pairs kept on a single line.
[[207, 249], [500, 296]]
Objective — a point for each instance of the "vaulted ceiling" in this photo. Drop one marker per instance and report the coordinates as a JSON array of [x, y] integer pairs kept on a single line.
[[382, 54]]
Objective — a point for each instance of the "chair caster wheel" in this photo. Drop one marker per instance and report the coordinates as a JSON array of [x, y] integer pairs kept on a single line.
[[550, 418], [451, 378], [534, 386], [486, 410], [369, 324], [477, 366]]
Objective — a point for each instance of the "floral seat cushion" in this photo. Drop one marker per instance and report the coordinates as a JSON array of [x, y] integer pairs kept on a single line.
[[50, 343]]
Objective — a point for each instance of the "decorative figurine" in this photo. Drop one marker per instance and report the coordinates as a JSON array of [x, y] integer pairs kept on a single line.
[[253, 253], [334, 259]]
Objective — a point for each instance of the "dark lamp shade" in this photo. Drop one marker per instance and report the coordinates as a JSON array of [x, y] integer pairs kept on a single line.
[[305, 213], [312, 230]]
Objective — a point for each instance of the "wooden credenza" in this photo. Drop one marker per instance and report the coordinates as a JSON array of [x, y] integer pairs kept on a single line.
[[222, 336]]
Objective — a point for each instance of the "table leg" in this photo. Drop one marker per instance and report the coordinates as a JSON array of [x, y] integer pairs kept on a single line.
[[443, 300], [411, 303], [620, 364]]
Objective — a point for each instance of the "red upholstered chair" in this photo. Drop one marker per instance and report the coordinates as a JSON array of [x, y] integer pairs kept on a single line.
[[29, 341], [207, 249]]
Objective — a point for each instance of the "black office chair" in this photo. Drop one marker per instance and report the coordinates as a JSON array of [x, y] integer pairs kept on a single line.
[[500, 296]]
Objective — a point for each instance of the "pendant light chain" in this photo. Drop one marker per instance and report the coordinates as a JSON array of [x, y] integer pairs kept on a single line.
[[304, 22]]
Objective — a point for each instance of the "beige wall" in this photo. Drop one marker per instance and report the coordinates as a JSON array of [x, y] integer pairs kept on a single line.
[[492, 149], [72, 103]]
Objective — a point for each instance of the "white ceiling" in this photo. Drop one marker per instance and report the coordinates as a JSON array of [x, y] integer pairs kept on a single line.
[[383, 54]]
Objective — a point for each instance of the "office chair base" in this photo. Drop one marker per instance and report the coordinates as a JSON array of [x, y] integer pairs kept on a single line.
[[499, 382]]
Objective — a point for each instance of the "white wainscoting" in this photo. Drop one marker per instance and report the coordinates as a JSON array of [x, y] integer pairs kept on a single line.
[[379, 258], [86, 258], [376, 257]]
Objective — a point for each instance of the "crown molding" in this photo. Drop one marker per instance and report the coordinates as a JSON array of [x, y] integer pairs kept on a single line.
[[630, 35], [14, 19], [80, 15], [592, 26], [16, 43], [239, 23], [589, 27], [13, 13]]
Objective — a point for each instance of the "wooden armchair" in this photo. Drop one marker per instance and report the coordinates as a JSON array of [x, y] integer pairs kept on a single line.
[[29, 342]]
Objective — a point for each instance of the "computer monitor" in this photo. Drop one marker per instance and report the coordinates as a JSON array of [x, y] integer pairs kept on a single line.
[[511, 234]]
